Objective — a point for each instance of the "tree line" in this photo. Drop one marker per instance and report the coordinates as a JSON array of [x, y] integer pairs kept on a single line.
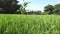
[[12, 7], [50, 9]]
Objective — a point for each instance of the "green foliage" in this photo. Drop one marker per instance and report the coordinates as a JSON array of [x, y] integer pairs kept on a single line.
[[49, 9], [23, 7], [57, 9], [44, 13], [34, 12], [57, 6], [9, 6], [29, 24], [52, 9]]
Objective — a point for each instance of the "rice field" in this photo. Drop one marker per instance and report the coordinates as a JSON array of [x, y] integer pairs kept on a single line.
[[29, 24]]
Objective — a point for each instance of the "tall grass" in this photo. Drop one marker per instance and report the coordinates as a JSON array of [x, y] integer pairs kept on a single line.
[[29, 24]]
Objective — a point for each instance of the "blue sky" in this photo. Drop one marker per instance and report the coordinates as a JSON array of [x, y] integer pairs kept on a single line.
[[39, 4]]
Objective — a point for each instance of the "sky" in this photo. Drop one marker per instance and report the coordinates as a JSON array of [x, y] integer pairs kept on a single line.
[[39, 4]]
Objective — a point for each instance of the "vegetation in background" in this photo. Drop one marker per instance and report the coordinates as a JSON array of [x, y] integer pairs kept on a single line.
[[9, 6], [23, 7], [34, 12], [57, 9], [52, 9], [49, 9]]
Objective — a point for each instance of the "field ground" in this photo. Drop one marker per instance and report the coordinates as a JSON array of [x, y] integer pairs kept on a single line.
[[29, 24]]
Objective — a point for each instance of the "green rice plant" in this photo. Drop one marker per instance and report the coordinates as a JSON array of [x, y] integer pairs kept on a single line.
[[29, 24]]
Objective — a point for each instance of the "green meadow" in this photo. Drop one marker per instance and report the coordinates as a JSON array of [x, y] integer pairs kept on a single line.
[[29, 24]]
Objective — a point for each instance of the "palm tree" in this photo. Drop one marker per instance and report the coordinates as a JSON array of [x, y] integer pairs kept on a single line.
[[23, 7]]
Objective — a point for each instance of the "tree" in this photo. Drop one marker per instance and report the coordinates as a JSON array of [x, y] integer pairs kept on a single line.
[[57, 9], [49, 9], [9, 6], [23, 7], [57, 6]]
